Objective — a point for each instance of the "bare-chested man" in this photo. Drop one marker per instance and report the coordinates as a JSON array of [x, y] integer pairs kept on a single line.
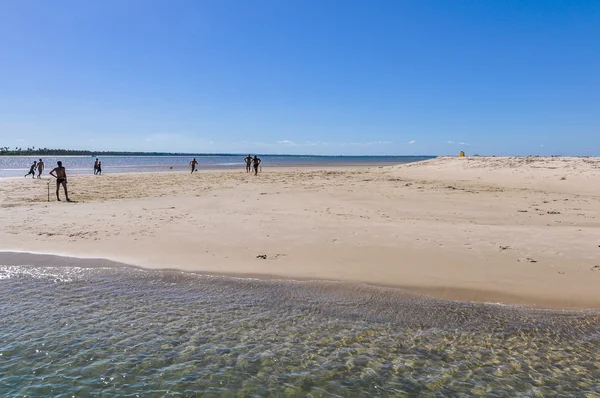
[[32, 170], [248, 163], [40, 167], [256, 160], [61, 179], [194, 163]]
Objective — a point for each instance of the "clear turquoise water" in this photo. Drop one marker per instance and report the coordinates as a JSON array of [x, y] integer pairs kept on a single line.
[[18, 166], [121, 331]]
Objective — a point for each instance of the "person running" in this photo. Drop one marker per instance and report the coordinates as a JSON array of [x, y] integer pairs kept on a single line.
[[32, 170], [96, 166], [194, 163], [99, 170], [256, 161], [248, 163], [40, 167], [60, 173]]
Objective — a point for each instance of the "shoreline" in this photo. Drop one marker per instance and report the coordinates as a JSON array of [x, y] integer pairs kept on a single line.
[[233, 165], [210, 169], [509, 230], [35, 259], [216, 170]]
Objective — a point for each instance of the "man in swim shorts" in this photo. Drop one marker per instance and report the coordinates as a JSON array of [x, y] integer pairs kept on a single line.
[[248, 163], [61, 179], [32, 170], [40, 167], [256, 161], [194, 163]]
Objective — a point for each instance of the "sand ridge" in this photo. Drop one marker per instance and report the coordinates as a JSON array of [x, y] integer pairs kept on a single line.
[[515, 230]]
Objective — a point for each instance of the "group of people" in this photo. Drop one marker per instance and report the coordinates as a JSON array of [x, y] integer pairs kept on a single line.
[[39, 165], [252, 162], [97, 167], [58, 172]]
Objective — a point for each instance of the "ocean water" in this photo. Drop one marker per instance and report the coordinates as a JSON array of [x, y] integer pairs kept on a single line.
[[15, 166], [75, 330]]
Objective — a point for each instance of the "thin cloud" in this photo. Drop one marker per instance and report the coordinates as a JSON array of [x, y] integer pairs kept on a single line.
[[457, 143], [412, 142], [286, 142], [370, 143]]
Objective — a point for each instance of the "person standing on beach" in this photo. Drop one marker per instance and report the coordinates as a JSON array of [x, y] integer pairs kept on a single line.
[[40, 167], [194, 163], [60, 173], [256, 160], [32, 170], [248, 163], [96, 167], [99, 170]]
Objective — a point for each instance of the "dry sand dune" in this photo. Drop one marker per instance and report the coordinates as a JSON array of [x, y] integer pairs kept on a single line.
[[557, 174], [516, 230]]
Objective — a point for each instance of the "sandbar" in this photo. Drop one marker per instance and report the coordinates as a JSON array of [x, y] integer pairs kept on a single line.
[[521, 230]]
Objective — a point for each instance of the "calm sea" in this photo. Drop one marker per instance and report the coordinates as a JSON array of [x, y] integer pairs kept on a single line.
[[72, 328], [14, 166]]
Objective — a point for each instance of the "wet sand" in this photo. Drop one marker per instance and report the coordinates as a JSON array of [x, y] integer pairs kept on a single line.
[[513, 230]]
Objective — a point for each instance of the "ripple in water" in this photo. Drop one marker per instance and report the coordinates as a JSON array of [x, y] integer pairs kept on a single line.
[[125, 331]]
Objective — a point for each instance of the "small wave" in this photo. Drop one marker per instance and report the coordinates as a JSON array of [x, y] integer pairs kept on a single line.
[[348, 300]]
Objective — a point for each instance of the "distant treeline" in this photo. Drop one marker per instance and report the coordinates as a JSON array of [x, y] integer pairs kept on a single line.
[[6, 151]]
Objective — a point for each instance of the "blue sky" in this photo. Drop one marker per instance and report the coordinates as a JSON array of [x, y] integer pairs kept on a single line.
[[300, 76]]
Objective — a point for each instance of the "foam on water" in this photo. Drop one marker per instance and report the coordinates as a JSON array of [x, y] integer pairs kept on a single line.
[[82, 330]]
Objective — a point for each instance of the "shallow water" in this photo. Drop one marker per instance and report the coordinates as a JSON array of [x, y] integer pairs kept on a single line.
[[77, 331], [17, 166]]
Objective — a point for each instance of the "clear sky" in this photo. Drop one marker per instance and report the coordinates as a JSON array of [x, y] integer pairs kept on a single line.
[[300, 76]]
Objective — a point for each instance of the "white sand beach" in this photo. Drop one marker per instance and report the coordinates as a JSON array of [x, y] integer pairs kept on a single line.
[[512, 230]]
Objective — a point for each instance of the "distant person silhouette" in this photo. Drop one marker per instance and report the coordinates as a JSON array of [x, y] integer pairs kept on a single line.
[[60, 173], [194, 163], [256, 161], [99, 170], [248, 163], [31, 170], [40, 167], [96, 166]]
